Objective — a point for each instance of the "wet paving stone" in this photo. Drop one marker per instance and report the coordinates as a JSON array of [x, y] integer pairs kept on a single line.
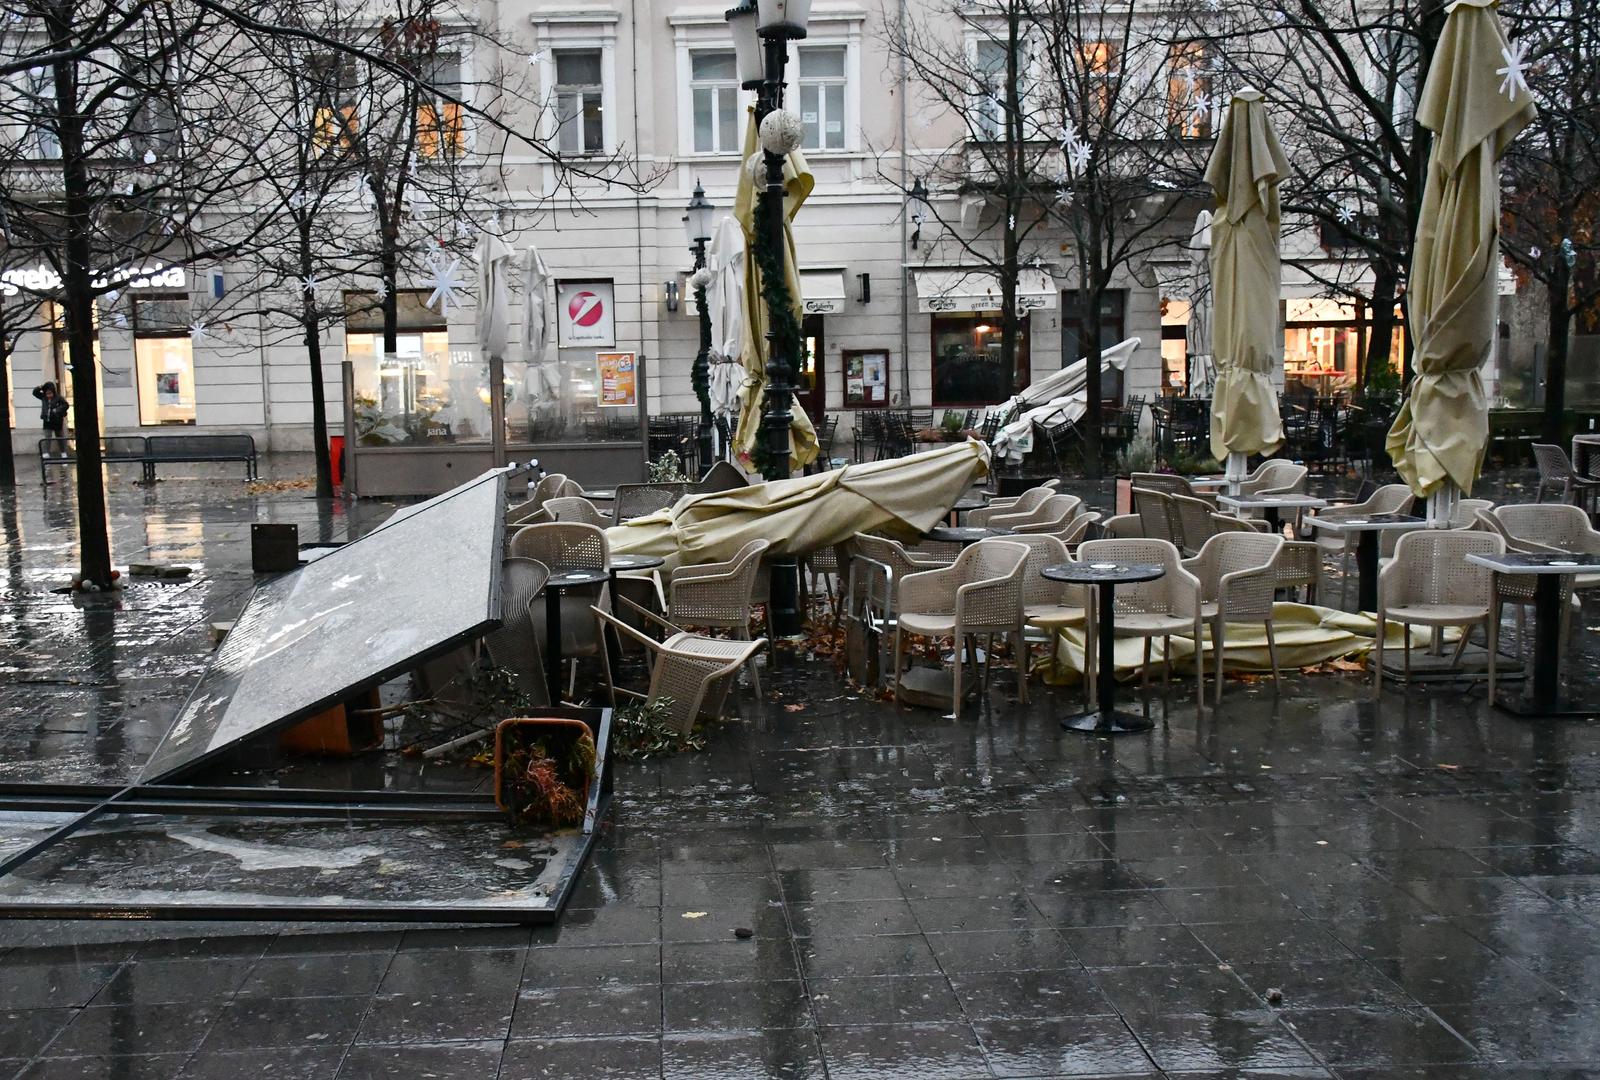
[[1411, 891]]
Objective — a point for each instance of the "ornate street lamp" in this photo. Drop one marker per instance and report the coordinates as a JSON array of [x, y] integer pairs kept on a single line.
[[775, 23], [697, 226]]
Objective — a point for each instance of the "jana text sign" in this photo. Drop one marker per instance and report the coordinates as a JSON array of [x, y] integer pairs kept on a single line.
[[619, 384], [584, 313]]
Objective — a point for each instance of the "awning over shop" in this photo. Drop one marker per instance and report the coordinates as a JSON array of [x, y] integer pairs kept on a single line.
[[822, 291], [978, 290]]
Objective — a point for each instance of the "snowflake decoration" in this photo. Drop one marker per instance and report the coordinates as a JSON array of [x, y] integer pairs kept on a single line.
[[1535, 251], [494, 224], [465, 230], [1078, 153], [381, 291], [446, 282], [297, 199], [1202, 105], [198, 332], [1516, 57], [149, 157], [168, 227], [1345, 214], [1064, 197], [309, 283], [112, 295]]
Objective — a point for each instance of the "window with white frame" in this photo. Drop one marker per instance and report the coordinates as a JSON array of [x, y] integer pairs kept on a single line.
[[1190, 100], [989, 63], [29, 111], [441, 128], [822, 83], [714, 87], [578, 98]]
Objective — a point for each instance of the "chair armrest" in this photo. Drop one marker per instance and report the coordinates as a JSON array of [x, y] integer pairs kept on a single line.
[[702, 570]]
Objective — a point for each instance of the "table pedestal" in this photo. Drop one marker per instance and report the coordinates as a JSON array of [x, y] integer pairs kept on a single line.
[[1542, 691], [1367, 571], [1107, 719]]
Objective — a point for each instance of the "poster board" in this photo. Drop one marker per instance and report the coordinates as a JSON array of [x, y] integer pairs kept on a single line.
[[619, 384], [866, 378]]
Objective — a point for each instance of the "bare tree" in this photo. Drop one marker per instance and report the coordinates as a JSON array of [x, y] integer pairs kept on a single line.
[[1551, 209]]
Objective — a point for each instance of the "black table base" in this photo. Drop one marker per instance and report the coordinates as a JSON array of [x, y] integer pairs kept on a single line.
[[1367, 571], [1108, 722], [1558, 707]]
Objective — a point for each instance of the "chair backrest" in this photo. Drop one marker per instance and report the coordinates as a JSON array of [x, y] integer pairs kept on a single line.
[[890, 553], [1043, 550], [1252, 554], [1430, 567], [1056, 512], [1156, 597], [638, 500], [548, 487], [563, 545], [1391, 499], [723, 476], [1552, 524], [1553, 463], [1276, 476], [1158, 515], [1171, 483], [570, 508], [988, 560], [1466, 513], [1194, 518], [514, 646]]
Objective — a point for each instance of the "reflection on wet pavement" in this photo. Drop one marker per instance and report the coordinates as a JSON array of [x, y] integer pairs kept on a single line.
[[1310, 884]]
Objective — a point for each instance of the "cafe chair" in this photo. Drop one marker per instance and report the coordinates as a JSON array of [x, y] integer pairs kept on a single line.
[[1158, 515], [575, 508], [692, 672], [1025, 503], [514, 646], [1541, 528], [1430, 583], [568, 545], [1172, 484], [1047, 604], [980, 593], [1276, 476], [1238, 574], [1388, 499], [641, 500], [1556, 472], [1055, 513], [527, 513], [1166, 607], [718, 595], [723, 476]]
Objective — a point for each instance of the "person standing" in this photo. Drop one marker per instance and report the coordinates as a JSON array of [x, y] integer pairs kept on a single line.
[[52, 411]]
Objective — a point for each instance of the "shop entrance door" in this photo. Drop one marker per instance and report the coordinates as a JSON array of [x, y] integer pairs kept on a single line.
[[811, 391]]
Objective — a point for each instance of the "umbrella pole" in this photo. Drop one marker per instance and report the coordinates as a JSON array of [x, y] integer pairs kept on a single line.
[[1442, 505], [1235, 471]]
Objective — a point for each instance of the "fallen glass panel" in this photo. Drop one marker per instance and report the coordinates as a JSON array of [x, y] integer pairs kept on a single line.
[[192, 866], [423, 582]]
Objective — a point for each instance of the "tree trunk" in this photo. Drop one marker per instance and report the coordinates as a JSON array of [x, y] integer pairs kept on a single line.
[[1093, 386], [312, 327], [8, 463], [1379, 342], [77, 302], [1555, 364], [1008, 316]]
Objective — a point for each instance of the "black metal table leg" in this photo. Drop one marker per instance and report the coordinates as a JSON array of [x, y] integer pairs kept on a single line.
[[552, 642], [1367, 571], [1546, 642], [1106, 720]]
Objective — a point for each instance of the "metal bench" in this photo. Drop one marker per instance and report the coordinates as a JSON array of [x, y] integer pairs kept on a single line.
[[149, 450]]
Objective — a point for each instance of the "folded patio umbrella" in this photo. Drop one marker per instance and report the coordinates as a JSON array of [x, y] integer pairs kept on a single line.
[[903, 496], [1439, 436], [494, 295], [1245, 168], [1067, 404], [1197, 335], [797, 182], [725, 259]]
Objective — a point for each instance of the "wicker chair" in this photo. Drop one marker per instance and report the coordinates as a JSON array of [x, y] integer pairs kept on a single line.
[[638, 500], [1025, 503], [877, 566], [574, 508], [1238, 575], [1430, 583], [1388, 499], [1556, 471], [1073, 533], [515, 646], [1045, 603], [1167, 606], [1122, 527], [1054, 514], [568, 545], [1300, 567], [1172, 484], [1158, 516], [980, 593], [1540, 528], [722, 476], [691, 671], [718, 595], [1276, 477], [527, 513]]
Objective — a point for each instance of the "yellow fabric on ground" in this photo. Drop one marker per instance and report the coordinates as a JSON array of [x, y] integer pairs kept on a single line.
[[1452, 297], [1247, 343]]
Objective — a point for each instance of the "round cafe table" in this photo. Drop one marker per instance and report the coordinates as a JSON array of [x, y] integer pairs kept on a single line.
[[1106, 719], [558, 582], [965, 535]]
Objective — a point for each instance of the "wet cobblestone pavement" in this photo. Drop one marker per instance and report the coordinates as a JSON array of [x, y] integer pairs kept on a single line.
[[1307, 884]]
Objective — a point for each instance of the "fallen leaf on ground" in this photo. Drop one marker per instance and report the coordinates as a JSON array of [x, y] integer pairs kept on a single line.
[[794, 708], [694, 914]]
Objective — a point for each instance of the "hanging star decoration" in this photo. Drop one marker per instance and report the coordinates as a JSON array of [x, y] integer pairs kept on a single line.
[[446, 282], [198, 332], [297, 199], [1516, 57], [1202, 105], [119, 320], [1345, 214], [1077, 151], [309, 283], [149, 157], [381, 291], [1535, 251], [168, 227], [465, 230]]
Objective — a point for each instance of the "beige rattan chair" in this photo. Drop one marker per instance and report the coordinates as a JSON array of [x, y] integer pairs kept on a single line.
[[1047, 604], [1430, 583], [1166, 607], [1122, 527], [1547, 528], [568, 545], [980, 593], [1158, 516], [877, 566], [1300, 567], [573, 508], [1276, 477], [1556, 471], [718, 595], [1238, 574], [515, 646], [692, 671], [723, 476], [1025, 503], [527, 513], [1053, 515], [640, 500], [1171, 483], [1388, 499]]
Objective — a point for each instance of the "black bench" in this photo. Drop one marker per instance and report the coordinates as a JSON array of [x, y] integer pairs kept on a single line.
[[149, 450]]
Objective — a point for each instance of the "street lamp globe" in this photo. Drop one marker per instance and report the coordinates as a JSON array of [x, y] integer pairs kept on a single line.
[[697, 216], [746, 45], [782, 18]]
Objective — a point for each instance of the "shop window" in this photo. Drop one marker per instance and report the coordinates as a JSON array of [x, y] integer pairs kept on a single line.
[[990, 113], [423, 392], [967, 365], [163, 360], [335, 103], [1190, 101]]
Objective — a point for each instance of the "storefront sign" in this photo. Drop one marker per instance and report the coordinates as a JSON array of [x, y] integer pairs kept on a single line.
[[584, 313], [826, 305], [618, 385], [39, 280]]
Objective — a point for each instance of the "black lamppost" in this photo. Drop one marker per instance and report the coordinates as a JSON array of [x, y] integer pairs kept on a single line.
[[762, 30], [697, 225]]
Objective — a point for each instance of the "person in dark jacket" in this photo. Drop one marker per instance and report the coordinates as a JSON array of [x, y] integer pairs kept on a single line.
[[52, 409]]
